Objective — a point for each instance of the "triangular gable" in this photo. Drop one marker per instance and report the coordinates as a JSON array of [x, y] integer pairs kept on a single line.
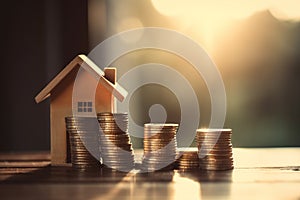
[[89, 66]]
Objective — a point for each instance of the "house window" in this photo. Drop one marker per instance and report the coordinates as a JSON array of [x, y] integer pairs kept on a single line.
[[85, 106]]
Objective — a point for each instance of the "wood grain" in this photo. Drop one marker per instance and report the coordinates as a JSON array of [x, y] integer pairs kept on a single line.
[[276, 177]]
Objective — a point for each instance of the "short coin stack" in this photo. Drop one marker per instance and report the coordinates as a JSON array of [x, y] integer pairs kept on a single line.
[[115, 145], [159, 146], [83, 133], [215, 149], [188, 158]]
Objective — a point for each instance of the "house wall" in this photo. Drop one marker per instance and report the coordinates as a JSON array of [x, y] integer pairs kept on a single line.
[[61, 106]]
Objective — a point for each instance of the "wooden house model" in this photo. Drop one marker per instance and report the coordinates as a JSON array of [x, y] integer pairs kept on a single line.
[[60, 91]]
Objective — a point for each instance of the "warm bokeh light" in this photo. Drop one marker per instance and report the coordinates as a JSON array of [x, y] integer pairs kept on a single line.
[[255, 45], [195, 8], [288, 9], [127, 24], [209, 17]]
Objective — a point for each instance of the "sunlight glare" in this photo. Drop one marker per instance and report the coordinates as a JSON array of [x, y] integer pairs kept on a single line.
[[231, 9], [208, 18], [127, 24], [185, 188]]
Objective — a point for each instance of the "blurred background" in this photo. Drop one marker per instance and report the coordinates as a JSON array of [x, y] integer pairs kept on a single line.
[[256, 46]]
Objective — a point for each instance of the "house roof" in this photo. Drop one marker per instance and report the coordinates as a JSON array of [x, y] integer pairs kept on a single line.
[[87, 64]]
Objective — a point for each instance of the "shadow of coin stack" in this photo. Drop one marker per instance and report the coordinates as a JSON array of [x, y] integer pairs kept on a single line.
[[215, 149], [159, 147], [115, 145], [188, 158], [83, 134]]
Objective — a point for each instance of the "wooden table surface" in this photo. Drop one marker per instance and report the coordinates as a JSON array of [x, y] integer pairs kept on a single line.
[[265, 173]]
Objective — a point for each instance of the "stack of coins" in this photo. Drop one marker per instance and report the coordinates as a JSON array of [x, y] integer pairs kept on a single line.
[[159, 146], [115, 145], [83, 134], [215, 149], [187, 158]]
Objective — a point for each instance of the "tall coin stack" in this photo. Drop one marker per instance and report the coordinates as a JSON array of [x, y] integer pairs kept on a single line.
[[115, 145], [188, 158], [159, 146], [83, 133], [215, 149]]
